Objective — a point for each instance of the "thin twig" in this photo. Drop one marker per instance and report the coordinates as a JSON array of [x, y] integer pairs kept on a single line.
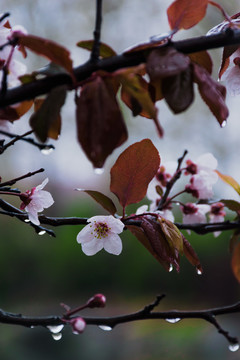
[[29, 140], [13, 181], [97, 32], [170, 183]]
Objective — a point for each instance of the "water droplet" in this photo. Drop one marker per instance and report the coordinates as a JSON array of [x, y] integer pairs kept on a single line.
[[173, 321], [42, 232], [105, 327], [47, 150], [170, 268], [55, 329], [57, 336], [99, 171], [27, 220], [224, 123], [233, 347], [199, 271], [32, 327]]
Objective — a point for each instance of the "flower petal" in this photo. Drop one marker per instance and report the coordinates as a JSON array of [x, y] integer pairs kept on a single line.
[[113, 244], [92, 247]]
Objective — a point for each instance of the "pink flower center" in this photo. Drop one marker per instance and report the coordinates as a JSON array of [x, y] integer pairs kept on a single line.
[[191, 167], [100, 230]]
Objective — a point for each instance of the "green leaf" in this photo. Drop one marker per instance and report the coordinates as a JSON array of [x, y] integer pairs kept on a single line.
[[46, 121], [105, 50], [230, 181], [101, 199], [172, 234], [133, 171]]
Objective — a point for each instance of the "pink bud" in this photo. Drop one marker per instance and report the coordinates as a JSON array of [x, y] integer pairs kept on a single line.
[[78, 325], [98, 300]]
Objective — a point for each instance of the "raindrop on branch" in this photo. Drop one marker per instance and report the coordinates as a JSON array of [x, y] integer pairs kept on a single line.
[[42, 232], [173, 321], [26, 220], [233, 347], [199, 272], [56, 328], [57, 336], [98, 171], [105, 327], [47, 150]]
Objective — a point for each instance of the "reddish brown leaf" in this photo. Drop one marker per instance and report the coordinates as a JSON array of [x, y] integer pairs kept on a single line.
[[203, 59], [183, 14], [100, 125], [227, 52], [230, 181], [51, 50], [165, 62], [236, 262], [133, 171], [178, 90], [160, 247], [190, 254], [101, 199], [104, 51], [212, 93], [46, 121], [13, 113], [136, 95]]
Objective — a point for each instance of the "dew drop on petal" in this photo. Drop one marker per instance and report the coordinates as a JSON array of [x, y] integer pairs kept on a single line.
[[233, 347], [57, 336], [173, 321], [47, 150], [224, 123], [55, 329], [99, 171], [170, 268], [42, 232], [105, 327]]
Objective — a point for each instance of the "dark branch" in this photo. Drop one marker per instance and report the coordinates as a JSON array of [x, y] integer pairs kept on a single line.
[[145, 314], [13, 181], [43, 86]]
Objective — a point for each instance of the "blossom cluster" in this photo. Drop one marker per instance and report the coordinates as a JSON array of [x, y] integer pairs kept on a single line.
[[201, 178]]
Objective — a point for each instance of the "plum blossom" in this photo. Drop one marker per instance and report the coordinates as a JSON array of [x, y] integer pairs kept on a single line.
[[217, 214], [232, 75], [101, 233], [35, 200], [164, 174], [194, 213], [203, 176]]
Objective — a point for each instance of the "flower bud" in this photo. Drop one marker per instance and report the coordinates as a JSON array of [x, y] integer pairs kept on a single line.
[[78, 325], [98, 300]]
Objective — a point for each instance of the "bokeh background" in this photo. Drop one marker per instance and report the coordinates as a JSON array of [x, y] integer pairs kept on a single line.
[[39, 272]]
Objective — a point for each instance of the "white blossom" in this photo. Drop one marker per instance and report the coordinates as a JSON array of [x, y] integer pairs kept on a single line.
[[231, 76], [35, 200], [101, 233], [194, 213]]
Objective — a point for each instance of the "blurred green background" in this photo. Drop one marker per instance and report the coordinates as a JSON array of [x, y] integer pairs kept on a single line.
[[39, 272]]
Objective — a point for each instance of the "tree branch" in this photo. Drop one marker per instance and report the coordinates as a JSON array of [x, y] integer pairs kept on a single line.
[[97, 32], [43, 86], [145, 314]]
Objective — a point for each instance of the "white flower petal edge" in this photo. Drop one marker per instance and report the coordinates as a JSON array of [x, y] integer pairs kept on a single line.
[[101, 233]]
